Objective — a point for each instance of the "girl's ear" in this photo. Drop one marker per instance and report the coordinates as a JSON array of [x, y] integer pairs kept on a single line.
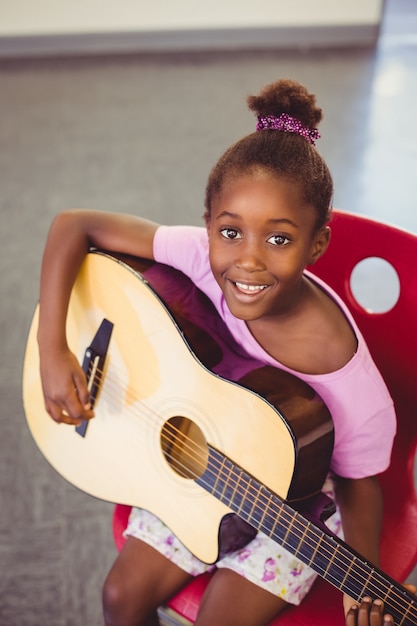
[[321, 241]]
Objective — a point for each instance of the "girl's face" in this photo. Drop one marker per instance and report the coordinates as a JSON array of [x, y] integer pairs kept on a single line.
[[261, 238]]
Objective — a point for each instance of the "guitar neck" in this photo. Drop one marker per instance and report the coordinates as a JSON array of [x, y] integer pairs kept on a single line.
[[326, 554]]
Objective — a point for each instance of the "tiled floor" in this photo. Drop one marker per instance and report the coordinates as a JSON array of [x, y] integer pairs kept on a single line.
[[139, 134]]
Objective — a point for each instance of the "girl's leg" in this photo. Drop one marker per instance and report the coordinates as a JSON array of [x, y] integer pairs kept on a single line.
[[231, 600], [140, 580]]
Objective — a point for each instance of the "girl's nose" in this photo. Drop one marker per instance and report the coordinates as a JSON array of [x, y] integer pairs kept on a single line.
[[250, 258]]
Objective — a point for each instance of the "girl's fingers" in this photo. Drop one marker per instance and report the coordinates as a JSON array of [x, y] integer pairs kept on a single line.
[[376, 613], [352, 616], [368, 613]]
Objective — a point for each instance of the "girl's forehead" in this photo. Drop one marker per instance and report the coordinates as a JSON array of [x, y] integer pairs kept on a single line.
[[265, 198], [265, 190], [262, 178]]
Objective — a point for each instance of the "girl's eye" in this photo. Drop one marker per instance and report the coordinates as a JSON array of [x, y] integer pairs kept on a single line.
[[230, 233], [279, 240]]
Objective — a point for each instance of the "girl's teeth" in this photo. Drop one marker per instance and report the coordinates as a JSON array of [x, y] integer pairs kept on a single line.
[[250, 287]]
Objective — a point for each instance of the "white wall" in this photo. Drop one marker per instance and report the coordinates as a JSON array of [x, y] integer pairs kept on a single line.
[[55, 17]]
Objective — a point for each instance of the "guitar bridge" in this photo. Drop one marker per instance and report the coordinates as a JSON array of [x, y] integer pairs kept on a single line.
[[93, 365]]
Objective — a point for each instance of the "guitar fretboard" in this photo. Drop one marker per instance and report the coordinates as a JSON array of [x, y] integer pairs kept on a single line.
[[326, 554]]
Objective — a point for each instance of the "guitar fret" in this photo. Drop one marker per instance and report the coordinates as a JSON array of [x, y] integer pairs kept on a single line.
[[287, 533], [316, 549], [336, 573], [357, 586], [385, 598], [243, 498], [236, 488], [365, 585], [301, 540], [295, 541], [309, 548], [277, 524], [226, 484], [265, 511], [258, 510], [323, 554], [271, 517], [225, 494], [362, 578], [252, 501], [291, 531], [348, 571], [405, 613], [222, 473], [235, 492], [242, 494], [330, 564], [218, 474]]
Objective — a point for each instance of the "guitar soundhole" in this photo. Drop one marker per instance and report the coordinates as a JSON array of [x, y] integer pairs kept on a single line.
[[184, 447]]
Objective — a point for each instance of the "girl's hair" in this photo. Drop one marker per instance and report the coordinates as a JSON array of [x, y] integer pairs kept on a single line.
[[285, 154]]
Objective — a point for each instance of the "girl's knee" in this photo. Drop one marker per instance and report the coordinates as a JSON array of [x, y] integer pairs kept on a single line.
[[124, 605], [113, 596]]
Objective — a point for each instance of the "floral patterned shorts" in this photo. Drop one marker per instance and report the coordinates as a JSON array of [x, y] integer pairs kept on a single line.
[[262, 561]]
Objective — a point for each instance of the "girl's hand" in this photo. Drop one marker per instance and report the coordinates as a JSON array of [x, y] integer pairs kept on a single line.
[[368, 613], [67, 399]]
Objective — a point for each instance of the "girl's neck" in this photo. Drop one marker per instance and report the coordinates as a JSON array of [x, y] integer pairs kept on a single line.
[[313, 337]]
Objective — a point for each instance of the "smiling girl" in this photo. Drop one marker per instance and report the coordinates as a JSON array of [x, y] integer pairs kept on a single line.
[[266, 218]]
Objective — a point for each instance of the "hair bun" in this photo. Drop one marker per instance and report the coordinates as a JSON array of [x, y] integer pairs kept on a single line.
[[287, 96]]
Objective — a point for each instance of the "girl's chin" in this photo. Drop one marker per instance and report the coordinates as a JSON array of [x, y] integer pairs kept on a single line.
[[244, 312]]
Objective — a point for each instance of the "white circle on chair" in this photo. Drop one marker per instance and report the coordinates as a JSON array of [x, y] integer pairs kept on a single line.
[[375, 285]]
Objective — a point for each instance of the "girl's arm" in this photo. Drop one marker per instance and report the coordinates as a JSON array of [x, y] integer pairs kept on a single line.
[[71, 235], [360, 502]]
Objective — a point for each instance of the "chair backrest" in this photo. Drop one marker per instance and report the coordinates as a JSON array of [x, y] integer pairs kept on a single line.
[[392, 339]]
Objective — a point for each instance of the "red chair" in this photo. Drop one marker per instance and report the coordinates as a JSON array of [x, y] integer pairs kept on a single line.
[[392, 339]]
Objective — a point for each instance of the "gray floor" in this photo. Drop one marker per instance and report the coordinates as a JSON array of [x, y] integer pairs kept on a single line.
[[139, 134]]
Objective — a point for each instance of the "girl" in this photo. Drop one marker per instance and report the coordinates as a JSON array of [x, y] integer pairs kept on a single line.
[[266, 219]]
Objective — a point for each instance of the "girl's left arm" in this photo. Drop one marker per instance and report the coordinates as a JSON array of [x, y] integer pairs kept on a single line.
[[360, 503]]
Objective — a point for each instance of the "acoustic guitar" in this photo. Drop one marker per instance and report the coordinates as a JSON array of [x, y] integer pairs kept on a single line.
[[192, 428]]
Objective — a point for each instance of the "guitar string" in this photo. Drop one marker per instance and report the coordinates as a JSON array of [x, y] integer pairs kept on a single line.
[[251, 498]]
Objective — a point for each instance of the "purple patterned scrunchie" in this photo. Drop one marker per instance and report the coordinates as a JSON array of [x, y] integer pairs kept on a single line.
[[288, 124]]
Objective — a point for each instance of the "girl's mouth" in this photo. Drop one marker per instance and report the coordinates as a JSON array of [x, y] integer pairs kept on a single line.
[[250, 288], [247, 292]]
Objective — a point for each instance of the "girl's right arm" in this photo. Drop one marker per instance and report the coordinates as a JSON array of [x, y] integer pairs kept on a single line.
[[71, 235]]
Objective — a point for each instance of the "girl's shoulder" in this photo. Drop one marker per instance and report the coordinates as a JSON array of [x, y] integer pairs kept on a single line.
[[330, 335]]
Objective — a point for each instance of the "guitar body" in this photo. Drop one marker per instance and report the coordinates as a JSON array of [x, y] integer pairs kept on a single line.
[[172, 366]]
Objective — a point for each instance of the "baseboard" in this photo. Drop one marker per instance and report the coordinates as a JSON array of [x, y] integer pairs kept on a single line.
[[190, 41]]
